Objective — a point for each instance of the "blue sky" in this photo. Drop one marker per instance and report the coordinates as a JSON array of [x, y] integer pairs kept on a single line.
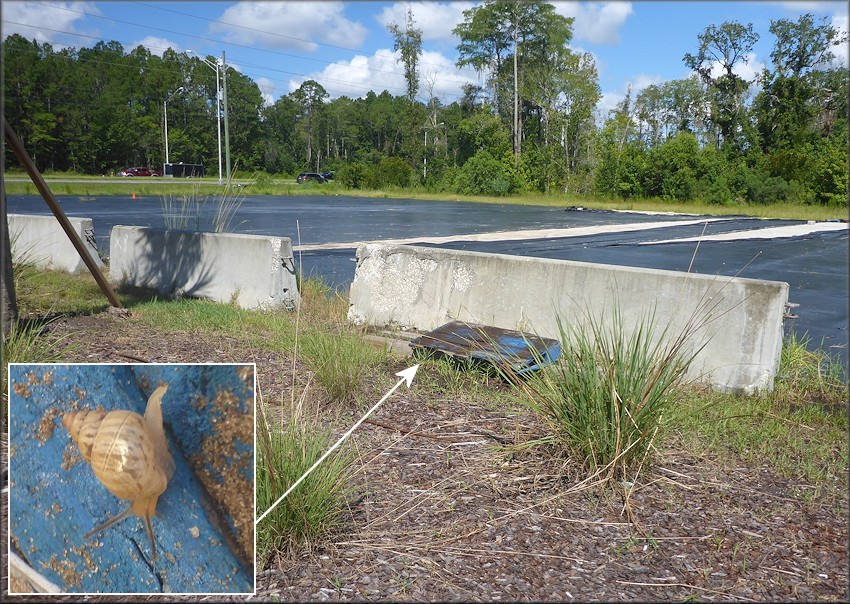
[[345, 45]]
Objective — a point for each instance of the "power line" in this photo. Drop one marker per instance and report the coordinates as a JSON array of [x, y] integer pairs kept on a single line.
[[234, 44], [278, 35]]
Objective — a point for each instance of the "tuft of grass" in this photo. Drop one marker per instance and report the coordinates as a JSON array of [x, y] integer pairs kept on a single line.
[[320, 303], [339, 361], [316, 506], [606, 398], [28, 342], [181, 213], [184, 212]]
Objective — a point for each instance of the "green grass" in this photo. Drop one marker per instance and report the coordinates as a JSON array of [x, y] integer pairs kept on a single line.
[[315, 507], [606, 399], [27, 343], [46, 293], [271, 330], [800, 429], [340, 361]]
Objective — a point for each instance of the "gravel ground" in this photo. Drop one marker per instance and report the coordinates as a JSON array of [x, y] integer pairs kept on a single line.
[[456, 516]]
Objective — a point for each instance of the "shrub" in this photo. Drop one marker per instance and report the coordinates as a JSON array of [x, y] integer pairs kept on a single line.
[[717, 192], [354, 175], [483, 174], [764, 189], [263, 180], [393, 171]]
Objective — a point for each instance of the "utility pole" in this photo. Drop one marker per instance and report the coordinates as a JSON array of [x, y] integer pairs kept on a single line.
[[215, 66], [226, 120], [516, 92]]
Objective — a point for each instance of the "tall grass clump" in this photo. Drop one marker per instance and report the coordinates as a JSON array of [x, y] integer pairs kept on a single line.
[[606, 399], [316, 506], [186, 212], [339, 361], [321, 303]]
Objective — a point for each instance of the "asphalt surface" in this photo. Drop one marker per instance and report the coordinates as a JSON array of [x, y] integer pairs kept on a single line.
[[814, 264]]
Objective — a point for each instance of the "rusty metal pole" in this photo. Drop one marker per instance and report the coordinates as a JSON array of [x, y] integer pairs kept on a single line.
[[40, 184]]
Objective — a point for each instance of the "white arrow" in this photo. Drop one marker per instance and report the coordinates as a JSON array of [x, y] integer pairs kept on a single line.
[[406, 376]]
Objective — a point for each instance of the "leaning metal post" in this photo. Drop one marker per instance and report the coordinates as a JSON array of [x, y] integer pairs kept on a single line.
[[40, 184]]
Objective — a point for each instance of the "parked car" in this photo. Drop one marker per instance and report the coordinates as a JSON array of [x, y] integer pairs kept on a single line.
[[328, 175], [306, 176], [139, 171]]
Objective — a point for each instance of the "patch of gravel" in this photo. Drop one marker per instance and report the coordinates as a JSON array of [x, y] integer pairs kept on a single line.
[[457, 517]]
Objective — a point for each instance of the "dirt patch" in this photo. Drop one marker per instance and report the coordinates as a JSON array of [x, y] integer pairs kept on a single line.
[[461, 517]]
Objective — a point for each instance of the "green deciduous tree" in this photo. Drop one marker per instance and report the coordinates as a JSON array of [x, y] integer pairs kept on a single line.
[[723, 47]]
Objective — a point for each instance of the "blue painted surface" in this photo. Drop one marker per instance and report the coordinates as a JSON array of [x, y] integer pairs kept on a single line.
[[522, 352], [52, 507], [508, 347]]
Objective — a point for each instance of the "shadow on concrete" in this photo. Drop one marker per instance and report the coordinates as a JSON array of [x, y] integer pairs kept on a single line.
[[172, 263]]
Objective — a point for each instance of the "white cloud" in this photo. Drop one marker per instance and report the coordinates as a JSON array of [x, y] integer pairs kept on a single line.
[[33, 20], [268, 89], [842, 55], [296, 25], [596, 22], [435, 19], [155, 45], [382, 71]]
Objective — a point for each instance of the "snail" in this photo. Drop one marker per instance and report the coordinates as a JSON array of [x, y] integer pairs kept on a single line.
[[129, 455]]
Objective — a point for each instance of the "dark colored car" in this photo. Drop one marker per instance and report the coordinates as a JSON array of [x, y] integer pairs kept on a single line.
[[307, 176], [328, 175], [139, 171]]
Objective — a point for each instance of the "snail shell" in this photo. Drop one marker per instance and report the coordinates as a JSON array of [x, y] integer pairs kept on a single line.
[[129, 455]]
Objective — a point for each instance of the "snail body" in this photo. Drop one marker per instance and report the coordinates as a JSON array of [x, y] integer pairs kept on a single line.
[[129, 455]]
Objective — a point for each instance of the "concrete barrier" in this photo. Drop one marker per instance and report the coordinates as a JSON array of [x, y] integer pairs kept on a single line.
[[252, 271], [42, 241], [737, 321]]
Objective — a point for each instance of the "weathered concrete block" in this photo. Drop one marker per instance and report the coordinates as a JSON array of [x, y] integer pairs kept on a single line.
[[42, 241], [737, 321], [251, 270]]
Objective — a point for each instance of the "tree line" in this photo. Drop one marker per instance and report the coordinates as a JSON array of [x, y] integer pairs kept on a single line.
[[534, 124]]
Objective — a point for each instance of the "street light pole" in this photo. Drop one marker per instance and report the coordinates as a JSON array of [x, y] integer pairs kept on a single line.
[[165, 116], [226, 127], [425, 158], [217, 106]]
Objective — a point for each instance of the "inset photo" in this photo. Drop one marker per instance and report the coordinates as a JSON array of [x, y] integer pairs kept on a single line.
[[131, 478]]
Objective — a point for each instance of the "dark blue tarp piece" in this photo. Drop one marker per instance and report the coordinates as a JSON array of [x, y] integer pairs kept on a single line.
[[55, 498], [520, 351]]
